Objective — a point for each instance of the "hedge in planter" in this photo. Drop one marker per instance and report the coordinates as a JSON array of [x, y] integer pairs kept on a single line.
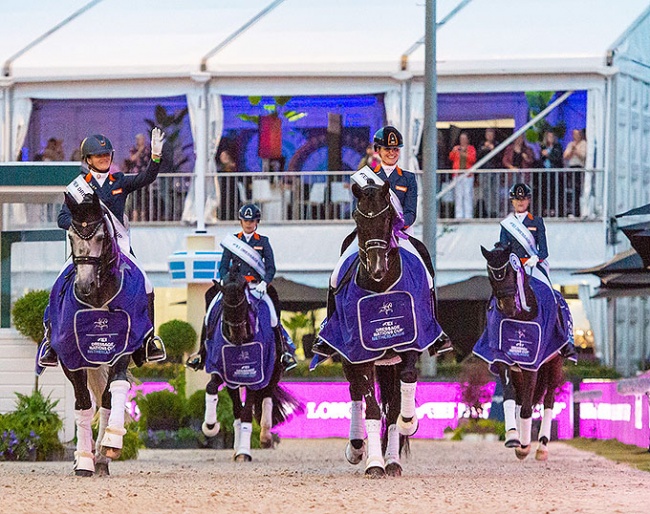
[[27, 314], [179, 338]]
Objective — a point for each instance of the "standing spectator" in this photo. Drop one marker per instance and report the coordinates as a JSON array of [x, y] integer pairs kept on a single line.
[[575, 156], [227, 186], [552, 186], [137, 162], [489, 182], [463, 157], [371, 158], [53, 150]]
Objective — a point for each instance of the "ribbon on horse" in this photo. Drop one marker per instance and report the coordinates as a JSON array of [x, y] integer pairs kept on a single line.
[[87, 337], [366, 324], [244, 252], [250, 364], [528, 344]]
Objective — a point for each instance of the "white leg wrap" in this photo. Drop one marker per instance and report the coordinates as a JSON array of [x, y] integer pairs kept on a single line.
[[357, 427], [83, 419], [237, 429], [375, 459], [267, 413], [407, 408], [524, 434], [547, 419], [245, 432], [509, 414], [119, 389], [103, 423], [392, 448], [518, 417], [211, 401]]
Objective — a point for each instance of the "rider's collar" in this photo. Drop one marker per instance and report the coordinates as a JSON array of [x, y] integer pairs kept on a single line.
[[388, 169], [521, 215], [243, 235]]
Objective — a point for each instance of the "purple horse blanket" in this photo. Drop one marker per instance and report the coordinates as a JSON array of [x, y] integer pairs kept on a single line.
[[87, 337], [250, 364], [528, 344], [365, 325]]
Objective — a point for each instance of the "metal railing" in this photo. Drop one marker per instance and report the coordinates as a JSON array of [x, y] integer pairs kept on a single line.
[[325, 196]]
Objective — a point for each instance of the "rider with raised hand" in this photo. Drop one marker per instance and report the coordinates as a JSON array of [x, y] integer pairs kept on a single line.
[[113, 189], [526, 234], [249, 218]]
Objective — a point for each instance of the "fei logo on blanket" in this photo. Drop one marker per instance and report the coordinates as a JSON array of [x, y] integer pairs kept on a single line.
[[386, 320]]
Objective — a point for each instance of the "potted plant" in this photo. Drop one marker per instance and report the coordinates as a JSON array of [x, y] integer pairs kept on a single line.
[[179, 337]]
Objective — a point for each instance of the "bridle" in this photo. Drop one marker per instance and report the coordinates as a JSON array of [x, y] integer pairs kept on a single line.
[[86, 230], [375, 243]]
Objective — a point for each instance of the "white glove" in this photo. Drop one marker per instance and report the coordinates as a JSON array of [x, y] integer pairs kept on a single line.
[[157, 137], [532, 261], [261, 288]]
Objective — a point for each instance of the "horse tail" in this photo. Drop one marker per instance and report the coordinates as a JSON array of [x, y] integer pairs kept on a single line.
[[389, 399], [285, 405]]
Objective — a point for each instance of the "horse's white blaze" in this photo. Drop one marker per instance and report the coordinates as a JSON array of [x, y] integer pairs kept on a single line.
[[84, 454]]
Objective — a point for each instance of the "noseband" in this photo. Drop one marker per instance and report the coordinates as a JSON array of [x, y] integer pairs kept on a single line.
[[86, 230]]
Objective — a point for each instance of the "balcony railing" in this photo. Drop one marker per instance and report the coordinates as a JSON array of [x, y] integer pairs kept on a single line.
[[304, 197]]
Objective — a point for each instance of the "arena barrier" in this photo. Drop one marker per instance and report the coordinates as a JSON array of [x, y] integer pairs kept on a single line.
[[620, 411]]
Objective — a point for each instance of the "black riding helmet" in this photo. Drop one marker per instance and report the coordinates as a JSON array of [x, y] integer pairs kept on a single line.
[[388, 137], [96, 145], [250, 211], [520, 191]]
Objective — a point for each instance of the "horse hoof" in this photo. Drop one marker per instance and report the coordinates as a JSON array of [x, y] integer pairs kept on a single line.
[[522, 452], [83, 473], [407, 427], [266, 444], [111, 453], [512, 439], [353, 455], [210, 429], [394, 469], [101, 469], [243, 457], [375, 472], [541, 454]]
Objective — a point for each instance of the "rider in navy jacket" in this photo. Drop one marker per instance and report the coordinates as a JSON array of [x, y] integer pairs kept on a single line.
[[261, 245], [536, 226]]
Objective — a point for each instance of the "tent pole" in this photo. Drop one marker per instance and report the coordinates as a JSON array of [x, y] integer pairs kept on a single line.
[[202, 80]]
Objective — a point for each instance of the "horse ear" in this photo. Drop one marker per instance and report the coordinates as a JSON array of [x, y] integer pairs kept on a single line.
[[356, 190], [385, 188], [486, 253], [69, 201]]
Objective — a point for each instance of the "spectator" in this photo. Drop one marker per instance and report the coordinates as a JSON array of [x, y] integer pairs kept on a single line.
[[53, 150], [370, 159], [517, 156], [575, 156], [489, 182], [227, 186], [463, 157], [551, 185]]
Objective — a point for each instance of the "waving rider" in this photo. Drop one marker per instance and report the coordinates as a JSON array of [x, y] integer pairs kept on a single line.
[[113, 190]]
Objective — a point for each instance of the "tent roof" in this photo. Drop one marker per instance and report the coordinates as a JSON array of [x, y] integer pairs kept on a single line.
[[299, 297], [474, 289], [116, 39]]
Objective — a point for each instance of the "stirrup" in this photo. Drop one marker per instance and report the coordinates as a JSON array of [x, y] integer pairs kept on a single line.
[[47, 357], [154, 350], [195, 362], [288, 361]]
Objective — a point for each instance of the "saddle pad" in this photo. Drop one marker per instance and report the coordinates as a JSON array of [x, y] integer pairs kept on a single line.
[[386, 320], [243, 364], [101, 334], [520, 340]]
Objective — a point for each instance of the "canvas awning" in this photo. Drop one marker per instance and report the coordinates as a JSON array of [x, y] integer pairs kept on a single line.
[[297, 297]]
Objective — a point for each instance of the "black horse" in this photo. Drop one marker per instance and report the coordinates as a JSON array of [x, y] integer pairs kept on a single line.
[[239, 348], [375, 280], [97, 317], [528, 324]]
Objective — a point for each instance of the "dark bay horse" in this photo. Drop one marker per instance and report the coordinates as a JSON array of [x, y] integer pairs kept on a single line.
[[97, 317], [379, 334], [239, 349], [527, 326]]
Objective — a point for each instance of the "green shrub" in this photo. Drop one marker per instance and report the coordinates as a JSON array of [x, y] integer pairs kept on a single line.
[[161, 410], [478, 426], [327, 369], [162, 371], [131, 442], [32, 430], [27, 314], [179, 338], [589, 369]]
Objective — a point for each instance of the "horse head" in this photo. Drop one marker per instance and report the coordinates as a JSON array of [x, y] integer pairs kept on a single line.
[[509, 282], [374, 216], [94, 250], [237, 325]]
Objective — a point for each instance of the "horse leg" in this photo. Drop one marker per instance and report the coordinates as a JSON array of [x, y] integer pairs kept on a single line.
[[266, 423], [211, 426], [98, 384], [528, 380], [84, 464], [389, 388], [235, 398], [509, 408], [356, 446], [243, 448], [552, 376], [407, 422], [111, 445]]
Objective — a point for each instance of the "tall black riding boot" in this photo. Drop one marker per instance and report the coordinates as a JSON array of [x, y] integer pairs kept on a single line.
[[287, 359], [47, 356], [154, 347]]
